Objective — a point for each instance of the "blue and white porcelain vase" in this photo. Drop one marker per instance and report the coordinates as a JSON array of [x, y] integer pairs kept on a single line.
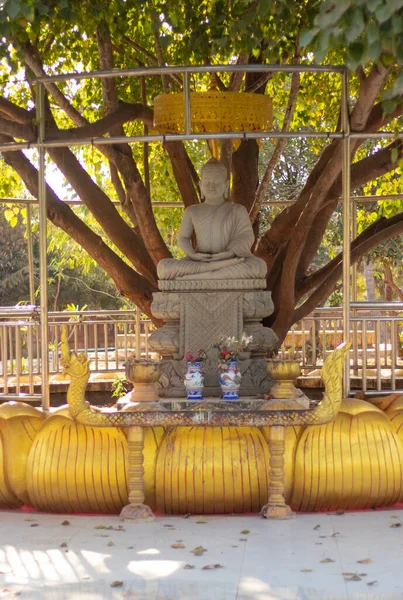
[[194, 380], [230, 381]]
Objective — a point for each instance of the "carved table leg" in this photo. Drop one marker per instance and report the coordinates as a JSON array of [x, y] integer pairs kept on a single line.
[[276, 508], [136, 510]]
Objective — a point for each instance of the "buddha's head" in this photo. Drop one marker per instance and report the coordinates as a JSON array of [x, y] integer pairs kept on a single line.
[[214, 181]]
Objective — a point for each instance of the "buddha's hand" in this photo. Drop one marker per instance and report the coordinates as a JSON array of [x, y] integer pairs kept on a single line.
[[200, 256], [223, 255]]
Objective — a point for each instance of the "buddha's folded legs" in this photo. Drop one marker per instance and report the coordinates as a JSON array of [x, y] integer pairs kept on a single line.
[[250, 267]]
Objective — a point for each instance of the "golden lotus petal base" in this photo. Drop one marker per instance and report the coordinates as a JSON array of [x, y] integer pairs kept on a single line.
[[137, 513]]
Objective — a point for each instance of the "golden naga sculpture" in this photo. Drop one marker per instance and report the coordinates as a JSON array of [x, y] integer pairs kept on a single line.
[[77, 366], [277, 420]]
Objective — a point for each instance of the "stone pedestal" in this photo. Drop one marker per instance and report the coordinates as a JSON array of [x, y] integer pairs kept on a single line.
[[196, 314]]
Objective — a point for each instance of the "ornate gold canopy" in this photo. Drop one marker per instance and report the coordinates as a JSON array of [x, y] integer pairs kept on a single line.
[[214, 111]]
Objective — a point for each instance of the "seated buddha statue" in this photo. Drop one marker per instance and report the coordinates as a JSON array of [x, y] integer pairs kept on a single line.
[[223, 233]]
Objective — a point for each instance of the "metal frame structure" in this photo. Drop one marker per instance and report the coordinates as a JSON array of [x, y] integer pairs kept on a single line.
[[42, 144]]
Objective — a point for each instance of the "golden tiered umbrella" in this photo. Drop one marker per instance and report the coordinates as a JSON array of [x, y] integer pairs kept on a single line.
[[214, 111]]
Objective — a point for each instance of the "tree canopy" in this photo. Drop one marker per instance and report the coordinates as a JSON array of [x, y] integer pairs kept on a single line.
[[40, 37]]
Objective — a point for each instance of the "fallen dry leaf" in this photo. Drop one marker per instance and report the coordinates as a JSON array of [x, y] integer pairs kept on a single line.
[[393, 525], [200, 522], [186, 516], [340, 512], [234, 546], [188, 567], [117, 584], [365, 561], [317, 527], [354, 577], [198, 551], [347, 574], [63, 545], [210, 567], [335, 533], [37, 525], [372, 582], [178, 545], [130, 547], [327, 560], [100, 527], [65, 523], [166, 525], [306, 570], [110, 544], [245, 531], [32, 519]]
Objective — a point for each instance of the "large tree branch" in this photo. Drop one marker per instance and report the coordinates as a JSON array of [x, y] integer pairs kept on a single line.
[[369, 168], [323, 175], [176, 79], [119, 232], [236, 77], [15, 112], [34, 63], [326, 277], [109, 95], [17, 130], [124, 113], [129, 283], [181, 167], [260, 195]]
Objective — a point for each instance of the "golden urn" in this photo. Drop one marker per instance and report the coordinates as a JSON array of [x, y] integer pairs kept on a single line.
[[284, 373], [143, 374]]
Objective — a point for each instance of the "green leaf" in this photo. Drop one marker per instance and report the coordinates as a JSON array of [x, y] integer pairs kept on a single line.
[[373, 33], [394, 154], [355, 52], [384, 12], [389, 106], [13, 8], [374, 50], [355, 24], [372, 5], [307, 35]]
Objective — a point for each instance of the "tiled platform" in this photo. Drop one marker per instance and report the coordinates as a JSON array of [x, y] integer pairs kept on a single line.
[[301, 559]]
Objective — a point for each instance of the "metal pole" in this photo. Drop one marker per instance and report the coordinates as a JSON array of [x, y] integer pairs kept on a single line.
[[43, 278], [173, 70], [145, 147], [187, 107], [30, 258], [346, 224]]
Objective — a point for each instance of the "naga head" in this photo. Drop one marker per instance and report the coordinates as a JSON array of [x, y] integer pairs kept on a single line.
[[76, 365]]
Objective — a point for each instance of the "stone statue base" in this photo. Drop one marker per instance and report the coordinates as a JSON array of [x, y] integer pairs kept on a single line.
[[197, 318]]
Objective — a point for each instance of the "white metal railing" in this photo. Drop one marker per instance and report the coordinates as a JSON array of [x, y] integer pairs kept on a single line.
[[107, 338], [376, 333]]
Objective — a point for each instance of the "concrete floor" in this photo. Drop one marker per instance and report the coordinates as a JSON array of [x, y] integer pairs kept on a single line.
[[315, 556]]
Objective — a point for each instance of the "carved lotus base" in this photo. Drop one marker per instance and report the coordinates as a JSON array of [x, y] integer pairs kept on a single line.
[[137, 513], [274, 511]]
